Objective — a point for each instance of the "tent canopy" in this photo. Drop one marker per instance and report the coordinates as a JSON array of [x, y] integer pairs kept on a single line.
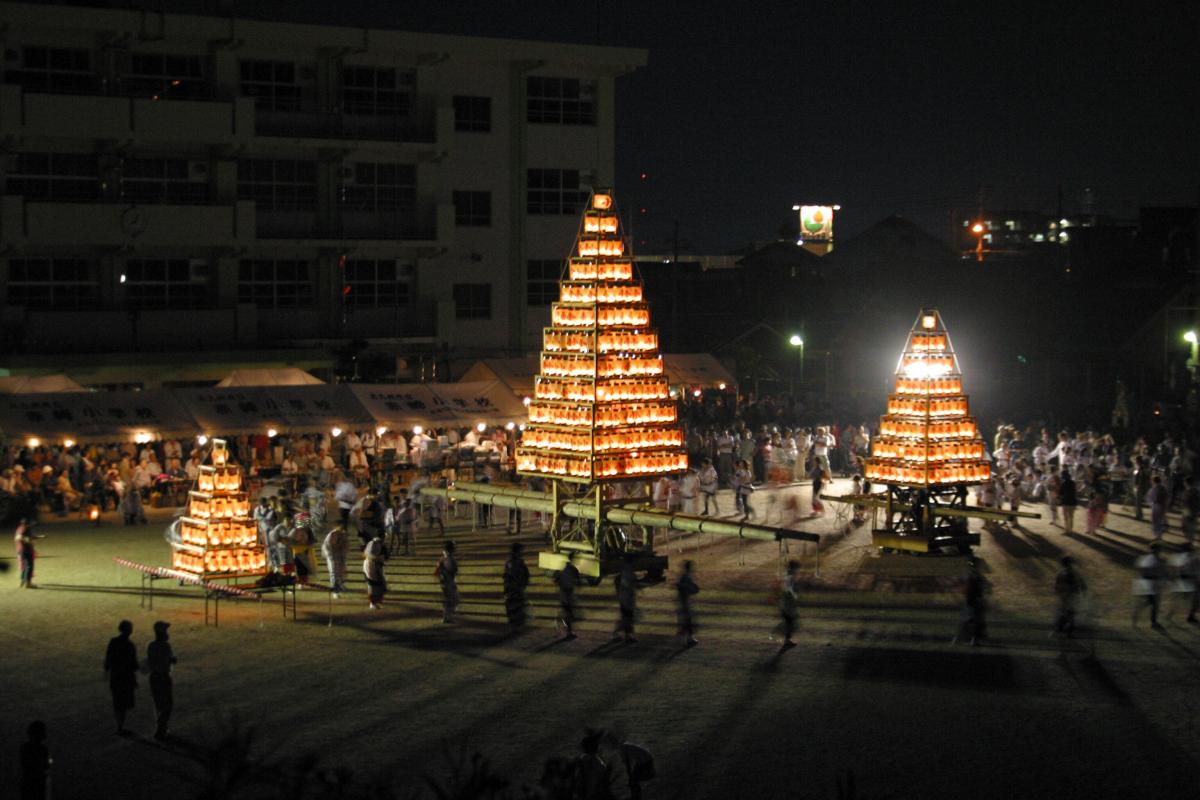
[[401, 406], [256, 409], [515, 373], [283, 376], [696, 369], [38, 384], [94, 416]]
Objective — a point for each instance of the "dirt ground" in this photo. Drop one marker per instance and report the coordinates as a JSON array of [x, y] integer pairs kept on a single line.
[[875, 686]]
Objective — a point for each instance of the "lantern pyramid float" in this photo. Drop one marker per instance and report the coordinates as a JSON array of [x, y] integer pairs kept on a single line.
[[928, 450], [217, 538], [928, 437], [602, 409]]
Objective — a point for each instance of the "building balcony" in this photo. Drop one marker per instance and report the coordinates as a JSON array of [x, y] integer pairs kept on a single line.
[[107, 331], [124, 119], [418, 128], [421, 226], [36, 223]]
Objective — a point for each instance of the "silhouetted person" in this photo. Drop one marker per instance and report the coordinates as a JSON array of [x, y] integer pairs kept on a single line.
[[974, 612], [516, 580], [1070, 587], [685, 589], [1068, 498], [1158, 498], [789, 595], [35, 763], [160, 658], [566, 581], [447, 575], [626, 585], [23, 539], [591, 780], [121, 664]]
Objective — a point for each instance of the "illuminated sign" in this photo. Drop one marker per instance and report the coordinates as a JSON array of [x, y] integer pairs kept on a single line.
[[816, 223]]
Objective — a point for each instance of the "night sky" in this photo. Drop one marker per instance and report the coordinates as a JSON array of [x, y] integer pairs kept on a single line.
[[747, 108]]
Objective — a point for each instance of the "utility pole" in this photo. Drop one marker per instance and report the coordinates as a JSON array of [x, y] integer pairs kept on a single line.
[[675, 287]]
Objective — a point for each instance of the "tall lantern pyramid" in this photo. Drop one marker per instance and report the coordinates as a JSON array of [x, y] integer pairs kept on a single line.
[[602, 409], [929, 449], [602, 422]]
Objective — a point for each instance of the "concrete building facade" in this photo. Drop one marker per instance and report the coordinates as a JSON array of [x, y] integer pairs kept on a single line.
[[176, 183]]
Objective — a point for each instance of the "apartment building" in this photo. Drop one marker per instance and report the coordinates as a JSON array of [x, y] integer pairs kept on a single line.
[[174, 183]]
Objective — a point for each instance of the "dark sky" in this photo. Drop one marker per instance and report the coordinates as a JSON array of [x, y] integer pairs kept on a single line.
[[884, 107]]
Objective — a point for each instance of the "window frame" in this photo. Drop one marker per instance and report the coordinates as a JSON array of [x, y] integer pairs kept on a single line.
[[179, 291], [472, 208], [274, 292], [551, 191], [467, 116], [554, 100], [469, 306], [270, 192], [273, 93], [61, 292], [362, 285]]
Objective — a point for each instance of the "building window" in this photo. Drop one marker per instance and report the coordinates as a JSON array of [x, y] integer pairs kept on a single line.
[[274, 283], [162, 283], [60, 70], [278, 185], [377, 91], [272, 84], [562, 101], [163, 77], [164, 180], [53, 176], [541, 281], [473, 208], [379, 187], [554, 191], [473, 300], [58, 283], [472, 114], [377, 283]]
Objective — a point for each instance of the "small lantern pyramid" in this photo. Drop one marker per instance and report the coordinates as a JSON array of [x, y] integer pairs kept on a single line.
[[602, 408], [217, 538], [928, 438]]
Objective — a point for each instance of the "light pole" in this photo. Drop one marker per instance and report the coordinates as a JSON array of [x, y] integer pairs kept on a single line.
[[797, 340], [978, 229], [1193, 367]]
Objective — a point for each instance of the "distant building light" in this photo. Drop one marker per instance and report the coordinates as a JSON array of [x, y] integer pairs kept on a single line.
[[795, 208], [1064, 222], [1062, 237]]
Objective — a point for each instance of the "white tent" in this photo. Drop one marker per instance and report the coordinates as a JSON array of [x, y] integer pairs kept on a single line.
[[283, 376], [38, 384], [515, 373], [94, 416], [403, 405], [256, 409], [696, 369]]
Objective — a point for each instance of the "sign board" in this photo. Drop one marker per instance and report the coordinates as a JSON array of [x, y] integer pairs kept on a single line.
[[816, 223]]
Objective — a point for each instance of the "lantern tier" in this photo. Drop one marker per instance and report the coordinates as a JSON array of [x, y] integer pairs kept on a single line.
[[601, 407], [217, 538]]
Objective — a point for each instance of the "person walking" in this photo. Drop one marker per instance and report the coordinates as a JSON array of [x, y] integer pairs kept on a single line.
[[1097, 508], [1067, 500], [160, 660], [566, 580], [1187, 576], [121, 665], [1157, 497], [625, 582], [516, 581], [335, 548], [685, 589], [973, 627], [447, 574], [374, 558], [1053, 487], [1191, 509], [1141, 485], [23, 539], [789, 595], [345, 495], [743, 487], [818, 485], [301, 540], [1147, 587], [708, 486], [1069, 587], [35, 763]]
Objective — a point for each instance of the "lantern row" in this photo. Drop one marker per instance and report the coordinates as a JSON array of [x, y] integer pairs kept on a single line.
[[218, 533], [927, 452], [885, 472], [929, 386], [221, 563], [630, 465], [604, 441], [606, 367], [606, 416], [964, 428], [561, 341], [631, 316], [921, 407], [602, 390]]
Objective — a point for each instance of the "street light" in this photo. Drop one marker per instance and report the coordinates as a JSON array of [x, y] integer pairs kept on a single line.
[[796, 340], [978, 229]]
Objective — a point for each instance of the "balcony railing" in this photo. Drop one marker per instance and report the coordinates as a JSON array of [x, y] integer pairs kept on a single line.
[[338, 125]]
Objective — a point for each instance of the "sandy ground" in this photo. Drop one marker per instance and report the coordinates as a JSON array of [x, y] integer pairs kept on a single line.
[[875, 686]]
